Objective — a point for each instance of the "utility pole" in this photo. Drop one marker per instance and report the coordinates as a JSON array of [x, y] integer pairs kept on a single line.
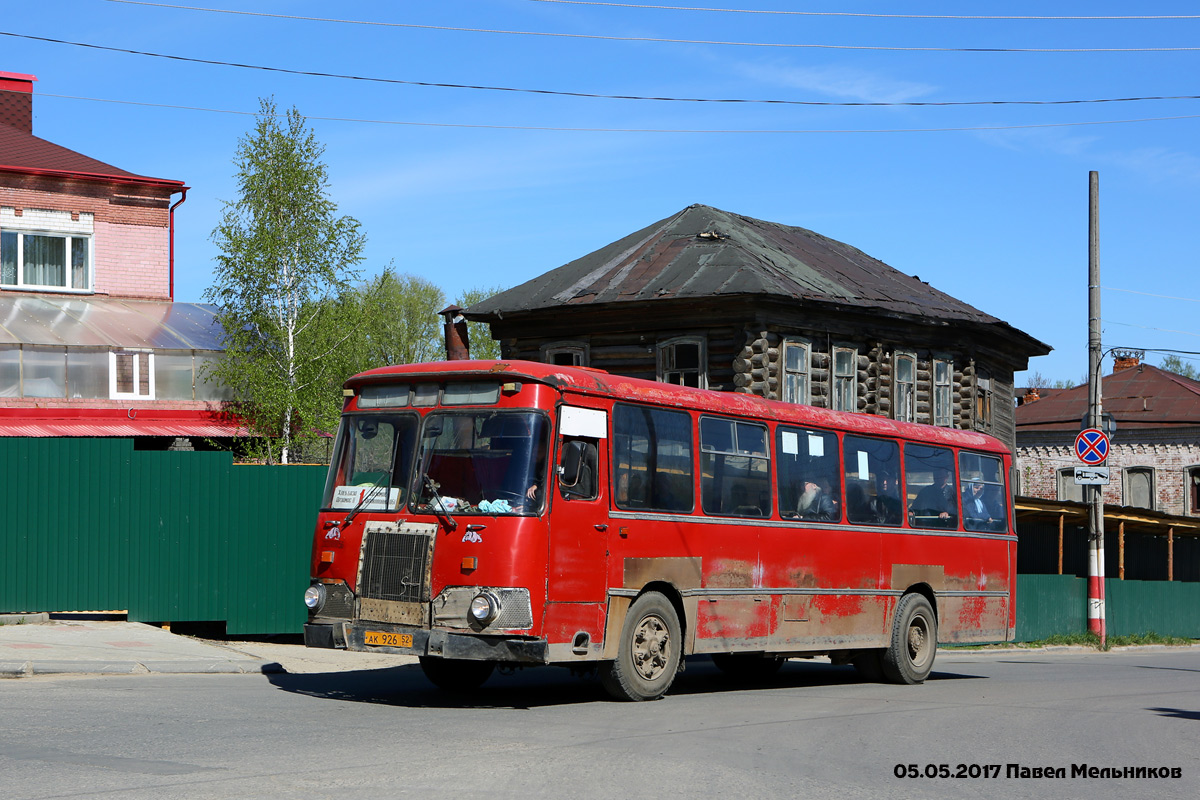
[[1095, 358]]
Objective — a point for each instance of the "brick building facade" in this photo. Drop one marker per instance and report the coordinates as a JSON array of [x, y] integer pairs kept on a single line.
[[91, 342], [1154, 458]]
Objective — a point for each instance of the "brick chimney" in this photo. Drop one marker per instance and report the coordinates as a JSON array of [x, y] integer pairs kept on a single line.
[[16, 101], [1126, 359]]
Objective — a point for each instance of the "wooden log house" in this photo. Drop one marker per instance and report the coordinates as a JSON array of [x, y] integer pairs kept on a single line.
[[719, 300]]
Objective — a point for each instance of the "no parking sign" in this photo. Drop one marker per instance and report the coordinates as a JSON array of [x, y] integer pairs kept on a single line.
[[1091, 446]]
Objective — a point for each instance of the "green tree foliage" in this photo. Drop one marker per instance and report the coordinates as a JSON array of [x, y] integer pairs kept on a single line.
[[482, 343], [285, 258], [399, 321], [1173, 363]]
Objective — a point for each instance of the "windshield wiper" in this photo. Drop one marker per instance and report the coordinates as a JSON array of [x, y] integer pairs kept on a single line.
[[437, 505], [366, 497]]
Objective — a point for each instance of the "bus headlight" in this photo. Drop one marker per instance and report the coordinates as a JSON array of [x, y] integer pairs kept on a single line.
[[314, 596], [485, 608]]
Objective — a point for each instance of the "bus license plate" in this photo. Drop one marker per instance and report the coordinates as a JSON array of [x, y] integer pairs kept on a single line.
[[384, 639]]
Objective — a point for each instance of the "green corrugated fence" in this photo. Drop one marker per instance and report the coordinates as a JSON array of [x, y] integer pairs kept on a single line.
[[92, 524], [1169, 608], [1050, 604]]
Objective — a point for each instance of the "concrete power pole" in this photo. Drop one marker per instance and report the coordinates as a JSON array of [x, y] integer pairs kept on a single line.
[[1095, 358]]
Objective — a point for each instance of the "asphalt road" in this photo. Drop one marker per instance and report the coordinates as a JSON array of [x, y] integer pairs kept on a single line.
[[815, 731]]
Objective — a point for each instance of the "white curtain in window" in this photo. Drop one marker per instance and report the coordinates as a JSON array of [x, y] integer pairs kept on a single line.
[[45, 260]]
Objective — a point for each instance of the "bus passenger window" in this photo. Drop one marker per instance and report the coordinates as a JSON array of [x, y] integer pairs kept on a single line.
[[872, 481], [984, 500], [652, 459], [932, 493], [808, 470], [735, 468]]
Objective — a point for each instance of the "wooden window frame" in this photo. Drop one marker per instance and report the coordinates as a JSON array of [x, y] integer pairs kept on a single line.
[[844, 385], [941, 394], [665, 358], [902, 411], [803, 376]]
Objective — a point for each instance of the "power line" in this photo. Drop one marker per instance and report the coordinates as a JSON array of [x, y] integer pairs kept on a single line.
[[1149, 294], [597, 96], [637, 130], [874, 16], [662, 40], [1148, 328]]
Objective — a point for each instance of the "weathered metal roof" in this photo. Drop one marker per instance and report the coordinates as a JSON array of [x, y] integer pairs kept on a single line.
[[21, 151], [106, 322], [704, 252], [1138, 397]]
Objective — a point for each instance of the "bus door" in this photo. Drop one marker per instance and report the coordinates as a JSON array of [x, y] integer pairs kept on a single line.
[[579, 509]]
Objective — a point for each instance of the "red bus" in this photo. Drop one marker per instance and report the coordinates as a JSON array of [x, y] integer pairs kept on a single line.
[[483, 513]]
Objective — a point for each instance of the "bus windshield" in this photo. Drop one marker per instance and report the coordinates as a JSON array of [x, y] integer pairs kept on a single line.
[[491, 462], [372, 462]]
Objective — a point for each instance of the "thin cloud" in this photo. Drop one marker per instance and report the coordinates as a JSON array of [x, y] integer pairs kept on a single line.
[[844, 83]]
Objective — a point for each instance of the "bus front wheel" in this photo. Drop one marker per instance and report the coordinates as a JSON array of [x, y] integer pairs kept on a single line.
[[649, 651], [455, 675], [909, 657]]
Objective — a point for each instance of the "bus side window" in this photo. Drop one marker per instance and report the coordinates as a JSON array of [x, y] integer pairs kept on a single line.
[[577, 469]]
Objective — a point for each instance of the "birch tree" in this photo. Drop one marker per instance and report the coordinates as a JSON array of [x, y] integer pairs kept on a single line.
[[285, 258]]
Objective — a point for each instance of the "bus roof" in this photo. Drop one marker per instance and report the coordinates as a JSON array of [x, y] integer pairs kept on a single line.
[[596, 382]]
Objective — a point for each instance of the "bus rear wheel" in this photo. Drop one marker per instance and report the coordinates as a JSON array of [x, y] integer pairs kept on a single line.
[[455, 675], [649, 651], [909, 657]]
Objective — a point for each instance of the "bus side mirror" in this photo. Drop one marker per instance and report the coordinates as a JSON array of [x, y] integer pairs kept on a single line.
[[571, 468]]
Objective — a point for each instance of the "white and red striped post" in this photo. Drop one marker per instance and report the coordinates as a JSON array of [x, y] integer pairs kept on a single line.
[[1095, 408]]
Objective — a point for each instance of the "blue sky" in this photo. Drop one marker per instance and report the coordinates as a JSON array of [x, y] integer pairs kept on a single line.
[[472, 187]]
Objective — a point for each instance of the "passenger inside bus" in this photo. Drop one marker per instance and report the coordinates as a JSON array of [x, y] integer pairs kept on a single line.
[[978, 513], [816, 503], [934, 505], [885, 505]]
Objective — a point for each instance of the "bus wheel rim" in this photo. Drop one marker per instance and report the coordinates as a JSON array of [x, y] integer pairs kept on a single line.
[[918, 640], [651, 647]]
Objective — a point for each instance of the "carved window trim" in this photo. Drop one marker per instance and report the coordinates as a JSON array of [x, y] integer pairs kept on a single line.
[[797, 378], [843, 378]]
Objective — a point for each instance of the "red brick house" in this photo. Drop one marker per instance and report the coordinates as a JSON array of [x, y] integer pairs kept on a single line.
[[91, 342], [1154, 459]]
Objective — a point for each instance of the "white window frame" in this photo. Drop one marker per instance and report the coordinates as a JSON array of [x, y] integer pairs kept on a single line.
[[1065, 481], [1125, 490], [54, 224], [904, 392], [797, 383], [113, 355], [665, 357], [844, 388], [942, 393], [578, 351]]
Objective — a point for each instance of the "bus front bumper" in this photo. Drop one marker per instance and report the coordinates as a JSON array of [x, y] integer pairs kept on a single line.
[[407, 640]]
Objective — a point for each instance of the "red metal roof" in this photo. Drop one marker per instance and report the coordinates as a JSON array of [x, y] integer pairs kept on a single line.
[[116, 422], [1138, 397], [25, 153]]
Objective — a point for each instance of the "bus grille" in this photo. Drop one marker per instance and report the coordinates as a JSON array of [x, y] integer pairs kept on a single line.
[[395, 566]]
